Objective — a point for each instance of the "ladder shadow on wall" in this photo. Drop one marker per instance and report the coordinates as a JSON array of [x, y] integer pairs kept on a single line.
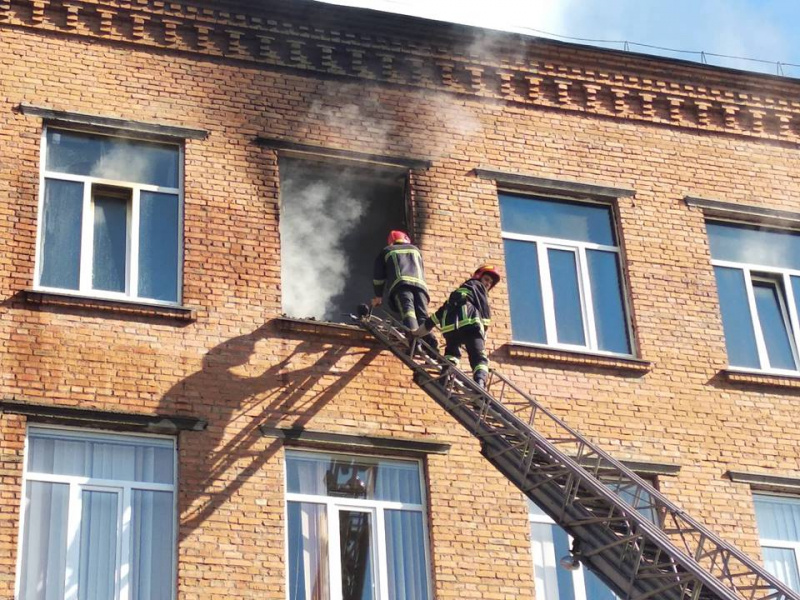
[[265, 377]]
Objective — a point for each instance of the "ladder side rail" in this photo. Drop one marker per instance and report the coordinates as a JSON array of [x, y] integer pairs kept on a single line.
[[690, 525]]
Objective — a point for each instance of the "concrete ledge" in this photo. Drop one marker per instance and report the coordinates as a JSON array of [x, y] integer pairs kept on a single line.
[[341, 441], [126, 307], [290, 148], [553, 186], [574, 358], [767, 482]]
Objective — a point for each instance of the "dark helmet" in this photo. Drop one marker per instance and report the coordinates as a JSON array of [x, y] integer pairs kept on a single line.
[[487, 270], [398, 237]]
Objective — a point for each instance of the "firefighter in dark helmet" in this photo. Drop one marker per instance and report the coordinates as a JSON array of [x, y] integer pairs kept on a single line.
[[464, 319], [399, 273]]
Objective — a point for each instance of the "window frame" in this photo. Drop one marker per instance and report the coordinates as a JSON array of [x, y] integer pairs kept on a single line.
[[90, 183], [781, 544], [78, 484], [334, 504], [781, 278], [579, 249]]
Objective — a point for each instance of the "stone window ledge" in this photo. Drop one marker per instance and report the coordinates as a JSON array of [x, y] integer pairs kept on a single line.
[[122, 307], [341, 331], [573, 358], [299, 437], [761, 379], [765, 481]]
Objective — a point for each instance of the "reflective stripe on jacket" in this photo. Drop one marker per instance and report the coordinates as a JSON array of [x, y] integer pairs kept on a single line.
[[468, 306], [396, 264]]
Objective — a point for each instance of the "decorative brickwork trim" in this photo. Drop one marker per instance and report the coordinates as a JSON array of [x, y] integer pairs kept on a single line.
[[525, 71], [747, 212], [339, 441], [181, 313], [553, 186], [308, 150], [88, 417], [61, 117], [766, 482], [585, 359]]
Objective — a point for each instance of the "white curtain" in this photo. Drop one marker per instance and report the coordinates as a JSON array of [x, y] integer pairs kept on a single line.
[[44, 541], [405, 549], [309, 577], [44, 553], [778, 524]]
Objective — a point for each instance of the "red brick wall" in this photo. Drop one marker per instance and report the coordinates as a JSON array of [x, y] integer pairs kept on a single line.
[[233, 367]]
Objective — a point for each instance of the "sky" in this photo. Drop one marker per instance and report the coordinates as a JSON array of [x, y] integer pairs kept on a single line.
[[764, 30]]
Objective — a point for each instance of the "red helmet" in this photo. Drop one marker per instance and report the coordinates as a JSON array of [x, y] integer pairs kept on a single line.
[[487, 270], [398, 237]]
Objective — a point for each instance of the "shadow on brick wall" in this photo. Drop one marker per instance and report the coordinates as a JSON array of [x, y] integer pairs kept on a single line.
[[240, 388]]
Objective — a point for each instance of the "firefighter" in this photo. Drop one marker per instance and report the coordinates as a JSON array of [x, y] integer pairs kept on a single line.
[[464, 319], [400, 273]]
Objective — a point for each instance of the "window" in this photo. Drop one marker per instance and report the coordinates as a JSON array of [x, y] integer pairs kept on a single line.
[[98, 517], [550, 543], [758, 281], [334, 221], [778, 521], [564, 276], [356, 528], [110, 224]]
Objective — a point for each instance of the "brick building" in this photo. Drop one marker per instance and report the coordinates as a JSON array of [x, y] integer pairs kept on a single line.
[[183, 184]]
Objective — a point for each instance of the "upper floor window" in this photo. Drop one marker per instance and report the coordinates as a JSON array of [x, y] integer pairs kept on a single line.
[[334, 221], [356, 528], [778, 520], [564, 275], [758, 281], [110, 217], [98, 517]]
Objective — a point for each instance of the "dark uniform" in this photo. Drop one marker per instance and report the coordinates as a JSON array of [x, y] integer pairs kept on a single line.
[[399, 272], [463, 320]]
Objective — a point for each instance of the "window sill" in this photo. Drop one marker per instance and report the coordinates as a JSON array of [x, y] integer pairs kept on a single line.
[[574, 358], [761, 378], [340, 331], [180, 313]]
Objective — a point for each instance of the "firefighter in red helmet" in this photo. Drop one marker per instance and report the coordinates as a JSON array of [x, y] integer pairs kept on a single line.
[[464, 319], [400, 274]]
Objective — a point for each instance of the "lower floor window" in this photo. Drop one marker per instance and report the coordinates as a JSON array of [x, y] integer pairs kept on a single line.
[[356, 528], [778, 520], [98, 519]]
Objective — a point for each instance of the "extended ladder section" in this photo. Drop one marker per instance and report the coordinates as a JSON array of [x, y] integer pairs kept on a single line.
[[624, 530]]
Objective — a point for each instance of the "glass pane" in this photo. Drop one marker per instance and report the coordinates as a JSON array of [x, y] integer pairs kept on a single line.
[[557, 219], [566, 297], [609, 311], [308, 552], [755, 246], [98, 545], [158, 246], [355, 545], [44, 541], [405, 549], [152, 545], [62, 454], [61, 231], [524, 292], [110, 243], [740, 340], [774, 326], [628, 492], [778, 518], [596, 589], [112, 158], [550, 545], [796, 292], [782, 563], [345, 477]]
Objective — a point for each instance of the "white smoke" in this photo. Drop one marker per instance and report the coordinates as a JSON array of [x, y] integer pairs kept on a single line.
[[315, 219], [123, 163]]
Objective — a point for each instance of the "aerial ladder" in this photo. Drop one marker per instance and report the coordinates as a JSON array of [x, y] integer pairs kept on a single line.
[[628, 533]]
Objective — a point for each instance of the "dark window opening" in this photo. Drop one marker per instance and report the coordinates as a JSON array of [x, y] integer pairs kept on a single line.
[[334, 221]]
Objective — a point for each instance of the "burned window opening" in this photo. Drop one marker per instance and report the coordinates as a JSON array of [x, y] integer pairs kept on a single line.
[[334, 221]]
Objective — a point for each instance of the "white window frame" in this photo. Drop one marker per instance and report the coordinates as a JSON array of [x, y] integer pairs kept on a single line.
[[124, 490], [782, 544], [543, 244], [791, 319], [332, 507], [87, 225]]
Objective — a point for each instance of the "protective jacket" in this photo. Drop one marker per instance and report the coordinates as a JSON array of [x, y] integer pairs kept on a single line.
[[399, 264], [467, 307]]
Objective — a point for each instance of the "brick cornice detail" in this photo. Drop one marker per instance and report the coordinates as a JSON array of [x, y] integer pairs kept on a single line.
[[298, 46]]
